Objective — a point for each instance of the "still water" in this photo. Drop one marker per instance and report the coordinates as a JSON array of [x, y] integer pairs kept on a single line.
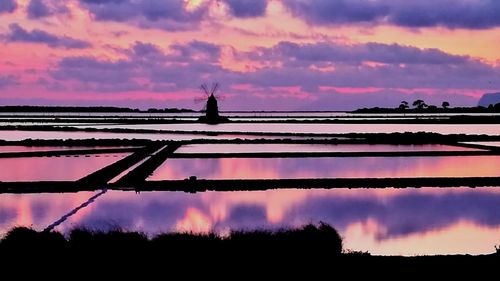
[[381, 221], [278, 147], [37, 210], [16, 135], [328, 167], [486, 143], [319, 128], [20, 148], [54, 168]]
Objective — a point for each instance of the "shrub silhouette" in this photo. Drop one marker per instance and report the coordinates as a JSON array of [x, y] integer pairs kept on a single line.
[[310, 240], [26, 239]]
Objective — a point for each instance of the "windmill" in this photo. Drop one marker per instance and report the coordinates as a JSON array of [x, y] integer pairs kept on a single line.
[[211, 107], [207, 92]]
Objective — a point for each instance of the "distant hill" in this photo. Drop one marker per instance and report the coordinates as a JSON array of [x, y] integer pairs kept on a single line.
[[86, 109], [488, 99]]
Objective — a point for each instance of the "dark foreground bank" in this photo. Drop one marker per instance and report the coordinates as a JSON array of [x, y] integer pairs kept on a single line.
[[310, 239], [309, 245]]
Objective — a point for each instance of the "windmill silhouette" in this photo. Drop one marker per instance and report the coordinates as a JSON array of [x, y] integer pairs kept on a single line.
[[211, 107]]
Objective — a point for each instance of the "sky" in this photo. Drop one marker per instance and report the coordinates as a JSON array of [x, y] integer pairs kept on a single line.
[[266, 54]]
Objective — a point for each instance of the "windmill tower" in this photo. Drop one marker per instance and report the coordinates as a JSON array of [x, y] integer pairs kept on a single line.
[[211, 108]]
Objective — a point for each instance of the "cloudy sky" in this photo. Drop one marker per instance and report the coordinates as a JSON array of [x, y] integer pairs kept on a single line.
[[266, 54]]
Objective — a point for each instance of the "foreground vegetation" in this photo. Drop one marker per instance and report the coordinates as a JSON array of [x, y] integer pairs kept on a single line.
[[309, 240], [310, 243]]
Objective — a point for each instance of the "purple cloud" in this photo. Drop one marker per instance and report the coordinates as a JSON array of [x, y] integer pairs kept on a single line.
[[146, 49], [197, 50], [466, 76], [184, 67], [247, 8], [7, 80], [309, 67], [38, 9], [328, 64], [373, 52], [144, 54], [338, 11], [41, 8], [19, 34], [424, 13], [178, 69], [169, 15], [98, 75], [8, 6], [448, 13]]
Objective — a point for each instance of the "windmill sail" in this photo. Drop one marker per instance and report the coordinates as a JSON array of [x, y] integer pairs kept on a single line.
[[211, 107]]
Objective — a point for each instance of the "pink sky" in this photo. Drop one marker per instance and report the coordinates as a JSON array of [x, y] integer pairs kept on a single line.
[[267, 55]]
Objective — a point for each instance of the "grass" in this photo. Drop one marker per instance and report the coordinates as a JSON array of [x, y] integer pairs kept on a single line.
[[309, 239], [311, 249]]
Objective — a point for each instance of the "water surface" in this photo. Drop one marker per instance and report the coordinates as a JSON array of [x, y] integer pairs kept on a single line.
[[328, 167], [20, 148], [17, 135], [320, 128], [425, 221], [487, 143], [37, 210], [387, 222], [278, 147], [54, 168]]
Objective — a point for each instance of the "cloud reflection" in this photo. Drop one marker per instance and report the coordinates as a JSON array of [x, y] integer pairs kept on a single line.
[[341, 167], [398, 214], [388, 221], [406, 213]]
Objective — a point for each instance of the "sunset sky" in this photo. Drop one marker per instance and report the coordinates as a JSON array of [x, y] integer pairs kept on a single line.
[[266, 54]]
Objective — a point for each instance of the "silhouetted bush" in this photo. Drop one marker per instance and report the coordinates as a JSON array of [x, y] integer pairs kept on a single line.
[[310, 240], [26, 239], [312, 246]]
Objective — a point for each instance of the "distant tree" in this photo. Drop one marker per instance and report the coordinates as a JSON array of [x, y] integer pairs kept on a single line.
[[445, 104], [419, 104], [403, 105]]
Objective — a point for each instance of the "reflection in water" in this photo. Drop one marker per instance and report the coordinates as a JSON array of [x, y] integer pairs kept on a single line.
[[54, 168], [322, 128], [328, 167], [388, 221], [37, 210], [19, 148], [15, 135], [487, 143], [275, 147]]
